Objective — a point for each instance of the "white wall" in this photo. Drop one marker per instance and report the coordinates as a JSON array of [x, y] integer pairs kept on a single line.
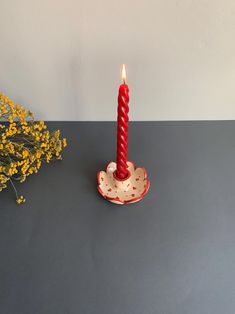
[[62, 58]]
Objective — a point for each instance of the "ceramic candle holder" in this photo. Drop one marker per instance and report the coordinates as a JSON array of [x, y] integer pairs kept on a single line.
[[130, 190]]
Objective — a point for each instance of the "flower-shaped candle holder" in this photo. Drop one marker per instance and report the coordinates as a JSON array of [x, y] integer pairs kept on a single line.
[[130, 190]]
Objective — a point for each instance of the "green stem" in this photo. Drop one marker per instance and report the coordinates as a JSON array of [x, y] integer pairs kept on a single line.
[[16, 193]]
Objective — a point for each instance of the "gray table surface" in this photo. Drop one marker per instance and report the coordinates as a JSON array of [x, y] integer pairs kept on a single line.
[[69, 251]]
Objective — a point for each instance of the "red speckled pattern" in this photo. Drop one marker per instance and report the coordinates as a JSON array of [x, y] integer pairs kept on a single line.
[[123, 191]]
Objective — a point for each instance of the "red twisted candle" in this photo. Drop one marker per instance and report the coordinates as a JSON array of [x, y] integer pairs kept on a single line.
[[122, 128]]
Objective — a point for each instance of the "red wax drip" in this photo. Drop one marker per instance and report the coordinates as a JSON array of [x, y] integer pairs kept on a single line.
[[122, 132]]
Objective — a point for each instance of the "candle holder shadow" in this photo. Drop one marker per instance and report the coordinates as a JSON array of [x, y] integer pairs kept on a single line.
[[129, 190]]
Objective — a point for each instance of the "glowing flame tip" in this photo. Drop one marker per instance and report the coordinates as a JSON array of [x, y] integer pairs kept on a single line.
[[124, 73]]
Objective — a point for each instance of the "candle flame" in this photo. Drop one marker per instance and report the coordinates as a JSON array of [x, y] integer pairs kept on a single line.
[[124, 73]]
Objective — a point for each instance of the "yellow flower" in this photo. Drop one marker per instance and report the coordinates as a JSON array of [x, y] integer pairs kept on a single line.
[[24, 144], [65, 142], [20, 199]]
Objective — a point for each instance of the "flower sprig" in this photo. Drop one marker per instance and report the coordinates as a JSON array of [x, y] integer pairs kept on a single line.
[[24, 144]]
